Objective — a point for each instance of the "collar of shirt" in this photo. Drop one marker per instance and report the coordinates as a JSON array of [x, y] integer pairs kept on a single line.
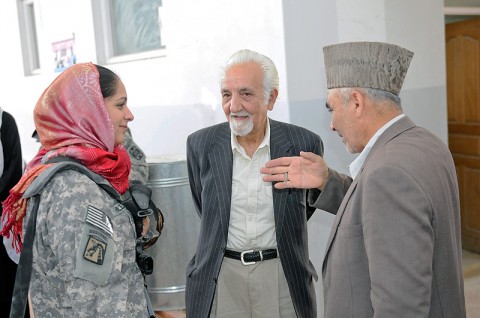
[[265, 142], [357, 164]]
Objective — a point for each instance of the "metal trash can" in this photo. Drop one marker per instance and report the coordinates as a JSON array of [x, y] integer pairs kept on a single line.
[[168, 179]]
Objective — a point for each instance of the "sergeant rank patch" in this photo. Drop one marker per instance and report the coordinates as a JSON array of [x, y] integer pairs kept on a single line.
[[95, 250], [136, 153]]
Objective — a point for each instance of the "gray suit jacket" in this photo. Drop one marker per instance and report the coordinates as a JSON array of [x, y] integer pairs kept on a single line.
[[395, 248], [210, 160]]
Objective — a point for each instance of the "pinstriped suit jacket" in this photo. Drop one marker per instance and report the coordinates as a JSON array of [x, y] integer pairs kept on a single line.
[[210, 160]]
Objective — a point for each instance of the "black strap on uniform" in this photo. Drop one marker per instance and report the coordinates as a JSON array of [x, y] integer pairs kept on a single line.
[[24, 269], [137, 197]]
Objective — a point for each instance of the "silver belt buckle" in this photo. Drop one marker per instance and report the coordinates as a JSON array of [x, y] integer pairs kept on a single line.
[[242, 254]]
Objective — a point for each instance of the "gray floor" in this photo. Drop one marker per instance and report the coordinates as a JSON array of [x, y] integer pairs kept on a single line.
[[471, 274]]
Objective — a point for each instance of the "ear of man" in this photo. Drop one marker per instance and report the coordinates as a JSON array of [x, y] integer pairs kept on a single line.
[[359, 101], [272, 98]]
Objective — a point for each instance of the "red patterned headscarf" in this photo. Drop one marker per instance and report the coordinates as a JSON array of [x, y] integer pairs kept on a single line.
[[71, 120]]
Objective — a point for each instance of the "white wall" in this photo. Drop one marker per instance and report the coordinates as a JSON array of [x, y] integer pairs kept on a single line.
[[176, 94], [171, 96]]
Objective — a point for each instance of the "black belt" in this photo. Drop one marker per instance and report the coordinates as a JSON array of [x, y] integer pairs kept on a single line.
[[251, 257]]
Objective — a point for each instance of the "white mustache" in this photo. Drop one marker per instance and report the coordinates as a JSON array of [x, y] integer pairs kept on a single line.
[[242, 113]]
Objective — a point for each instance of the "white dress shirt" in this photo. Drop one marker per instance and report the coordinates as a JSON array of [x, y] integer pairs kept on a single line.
[[252, 222], [357, 164]]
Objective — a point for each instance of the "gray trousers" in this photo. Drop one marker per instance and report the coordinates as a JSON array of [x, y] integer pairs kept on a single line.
[[257, 291]]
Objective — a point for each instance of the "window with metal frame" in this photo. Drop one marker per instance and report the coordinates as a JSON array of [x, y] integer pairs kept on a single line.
[[127, 30], [28, 37]]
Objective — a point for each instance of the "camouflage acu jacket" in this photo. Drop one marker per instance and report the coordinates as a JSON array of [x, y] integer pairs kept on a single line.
[[139, 169], [83, 252]]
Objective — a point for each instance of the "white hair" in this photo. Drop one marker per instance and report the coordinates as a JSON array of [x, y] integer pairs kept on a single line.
[[270, 74]]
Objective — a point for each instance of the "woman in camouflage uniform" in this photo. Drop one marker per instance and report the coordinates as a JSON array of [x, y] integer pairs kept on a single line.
[[84, 245]]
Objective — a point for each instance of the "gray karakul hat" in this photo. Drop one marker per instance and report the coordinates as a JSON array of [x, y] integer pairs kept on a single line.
[[366, 64]]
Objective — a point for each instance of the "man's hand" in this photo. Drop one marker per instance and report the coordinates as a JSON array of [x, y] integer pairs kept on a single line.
[[308, 171]]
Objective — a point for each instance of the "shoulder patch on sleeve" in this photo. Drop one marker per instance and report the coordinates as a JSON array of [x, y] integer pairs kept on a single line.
[[97, 218], [95, 250]]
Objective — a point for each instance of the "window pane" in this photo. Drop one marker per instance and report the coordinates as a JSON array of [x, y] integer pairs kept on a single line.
[[135, 26], [32, 34]]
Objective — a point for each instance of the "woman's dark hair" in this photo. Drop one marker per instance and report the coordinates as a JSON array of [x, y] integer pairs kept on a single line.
[[108, 81]]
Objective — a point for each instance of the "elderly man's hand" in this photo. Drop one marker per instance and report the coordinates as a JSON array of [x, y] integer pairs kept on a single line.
[[308, 171]]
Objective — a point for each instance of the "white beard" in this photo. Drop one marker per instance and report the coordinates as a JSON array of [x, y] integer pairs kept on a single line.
[[241, 128]]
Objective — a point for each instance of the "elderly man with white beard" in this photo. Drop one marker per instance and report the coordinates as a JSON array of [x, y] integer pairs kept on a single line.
[[252, 255]]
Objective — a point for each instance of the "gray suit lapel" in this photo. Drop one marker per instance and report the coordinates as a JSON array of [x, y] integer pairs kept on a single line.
[[221, 161], [339, 215], [280, 146]]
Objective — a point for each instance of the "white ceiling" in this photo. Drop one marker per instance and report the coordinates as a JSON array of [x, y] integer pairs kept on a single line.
[[465, 9], [462, 3]]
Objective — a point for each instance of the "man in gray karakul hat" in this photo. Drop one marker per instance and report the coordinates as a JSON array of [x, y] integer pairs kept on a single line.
[[395, 245], [367, 64]]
